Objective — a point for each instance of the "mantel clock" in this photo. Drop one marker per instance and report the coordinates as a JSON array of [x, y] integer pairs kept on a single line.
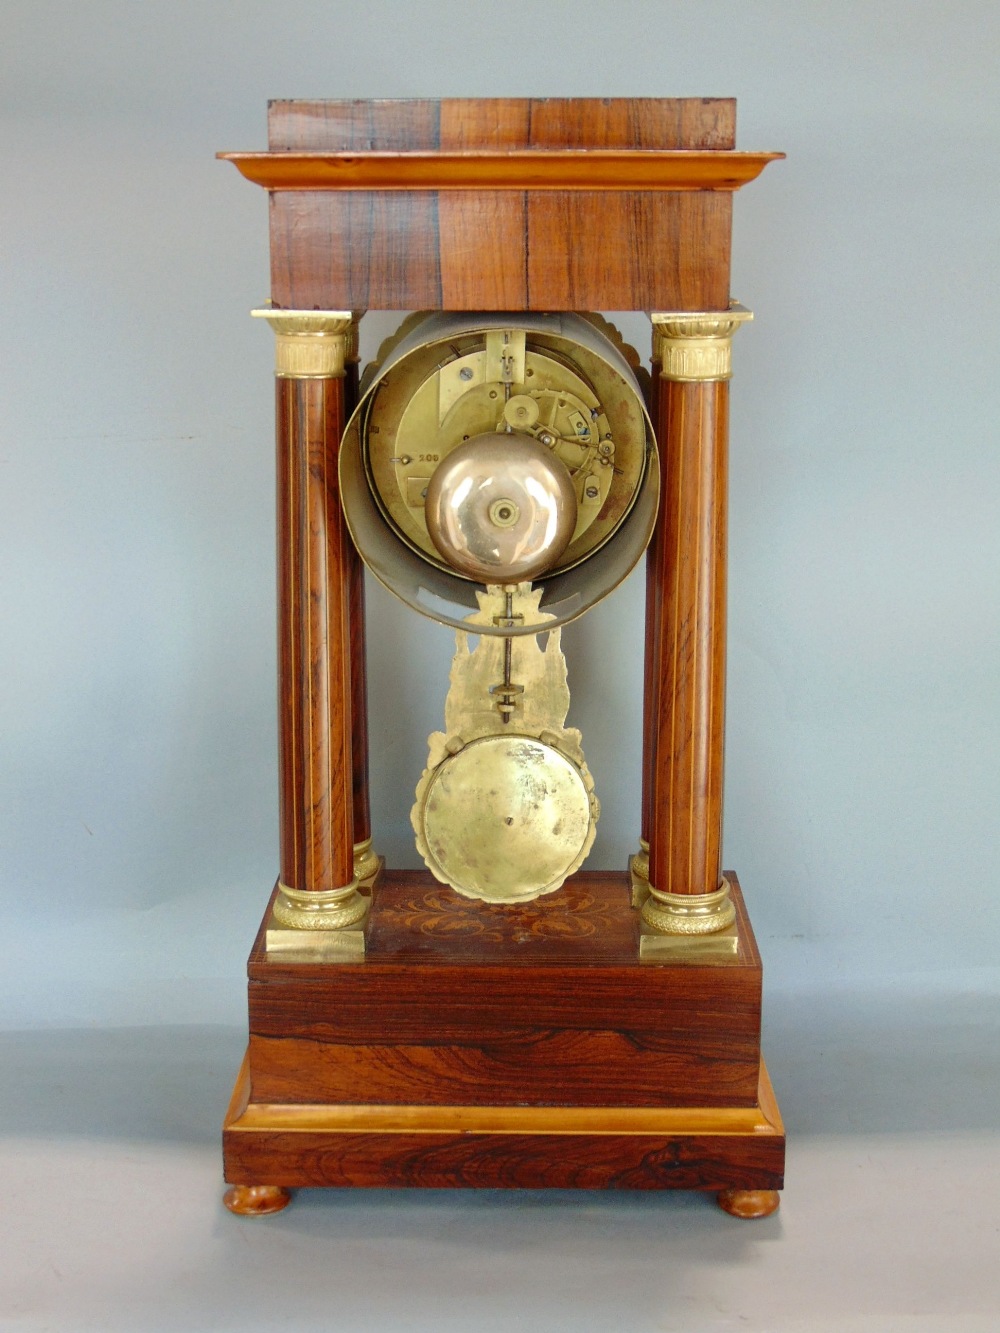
[[504, 1017]]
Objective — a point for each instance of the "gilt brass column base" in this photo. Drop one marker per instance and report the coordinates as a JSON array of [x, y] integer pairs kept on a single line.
[[676, 924], [657, 947], [367, 862], [325, 925], [638, 869]]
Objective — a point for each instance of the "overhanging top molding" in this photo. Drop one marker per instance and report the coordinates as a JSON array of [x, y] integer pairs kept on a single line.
[[530, 169], [501, 203]]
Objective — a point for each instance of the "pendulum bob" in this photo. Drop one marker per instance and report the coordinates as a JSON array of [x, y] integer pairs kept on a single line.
[[505, 810]]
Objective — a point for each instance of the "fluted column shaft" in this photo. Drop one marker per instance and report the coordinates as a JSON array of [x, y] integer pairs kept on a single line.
[[316, 580], [366, 862], [686, 631]]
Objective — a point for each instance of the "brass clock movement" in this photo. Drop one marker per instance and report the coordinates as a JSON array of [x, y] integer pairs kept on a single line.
[[504, 1017]]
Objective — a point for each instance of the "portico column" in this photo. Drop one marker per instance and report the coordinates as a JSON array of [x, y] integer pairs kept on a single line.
[[686, 655], [317, 887], [639, 862], [366, 860]]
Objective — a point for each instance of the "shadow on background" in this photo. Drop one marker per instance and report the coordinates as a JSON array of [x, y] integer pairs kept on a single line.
[[840, 1064], [168, 1084], [884, 1063]]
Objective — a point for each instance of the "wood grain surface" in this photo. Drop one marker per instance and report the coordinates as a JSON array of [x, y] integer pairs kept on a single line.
[[555, 1161], [359, 696], [535, 170], [498, 270], [470, 1050], [688, 673], [515, 1147], [568, 1067], [589, 923], [620, 248], [359, 648], [651, 626], [545, 1004], [410, 124], [315, 763]]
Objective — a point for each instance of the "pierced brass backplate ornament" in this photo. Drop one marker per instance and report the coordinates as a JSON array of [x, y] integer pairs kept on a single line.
[[505, 809]]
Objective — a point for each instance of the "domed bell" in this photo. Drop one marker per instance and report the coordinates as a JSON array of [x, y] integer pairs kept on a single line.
[[501, 508]]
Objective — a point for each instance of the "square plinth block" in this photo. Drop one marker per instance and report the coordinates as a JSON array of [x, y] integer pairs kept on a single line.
[[477, 1045]]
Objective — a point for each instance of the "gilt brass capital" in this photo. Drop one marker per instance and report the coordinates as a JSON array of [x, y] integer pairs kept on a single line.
[[310, 344], [696, 344]]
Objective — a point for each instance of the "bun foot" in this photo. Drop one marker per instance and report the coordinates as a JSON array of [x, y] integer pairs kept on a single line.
[[256, 1200], [749, 1203]]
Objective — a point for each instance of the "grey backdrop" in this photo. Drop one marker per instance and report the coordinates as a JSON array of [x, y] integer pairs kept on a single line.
[[138, 824]]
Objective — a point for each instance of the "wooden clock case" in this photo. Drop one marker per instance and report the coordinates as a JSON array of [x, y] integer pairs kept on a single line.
[[561, 1043]]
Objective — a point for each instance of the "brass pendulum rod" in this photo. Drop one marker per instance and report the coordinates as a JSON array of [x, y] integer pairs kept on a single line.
[[506, 692]]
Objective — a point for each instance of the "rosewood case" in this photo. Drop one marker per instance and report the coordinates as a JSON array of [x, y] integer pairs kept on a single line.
[[476, 1045]]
